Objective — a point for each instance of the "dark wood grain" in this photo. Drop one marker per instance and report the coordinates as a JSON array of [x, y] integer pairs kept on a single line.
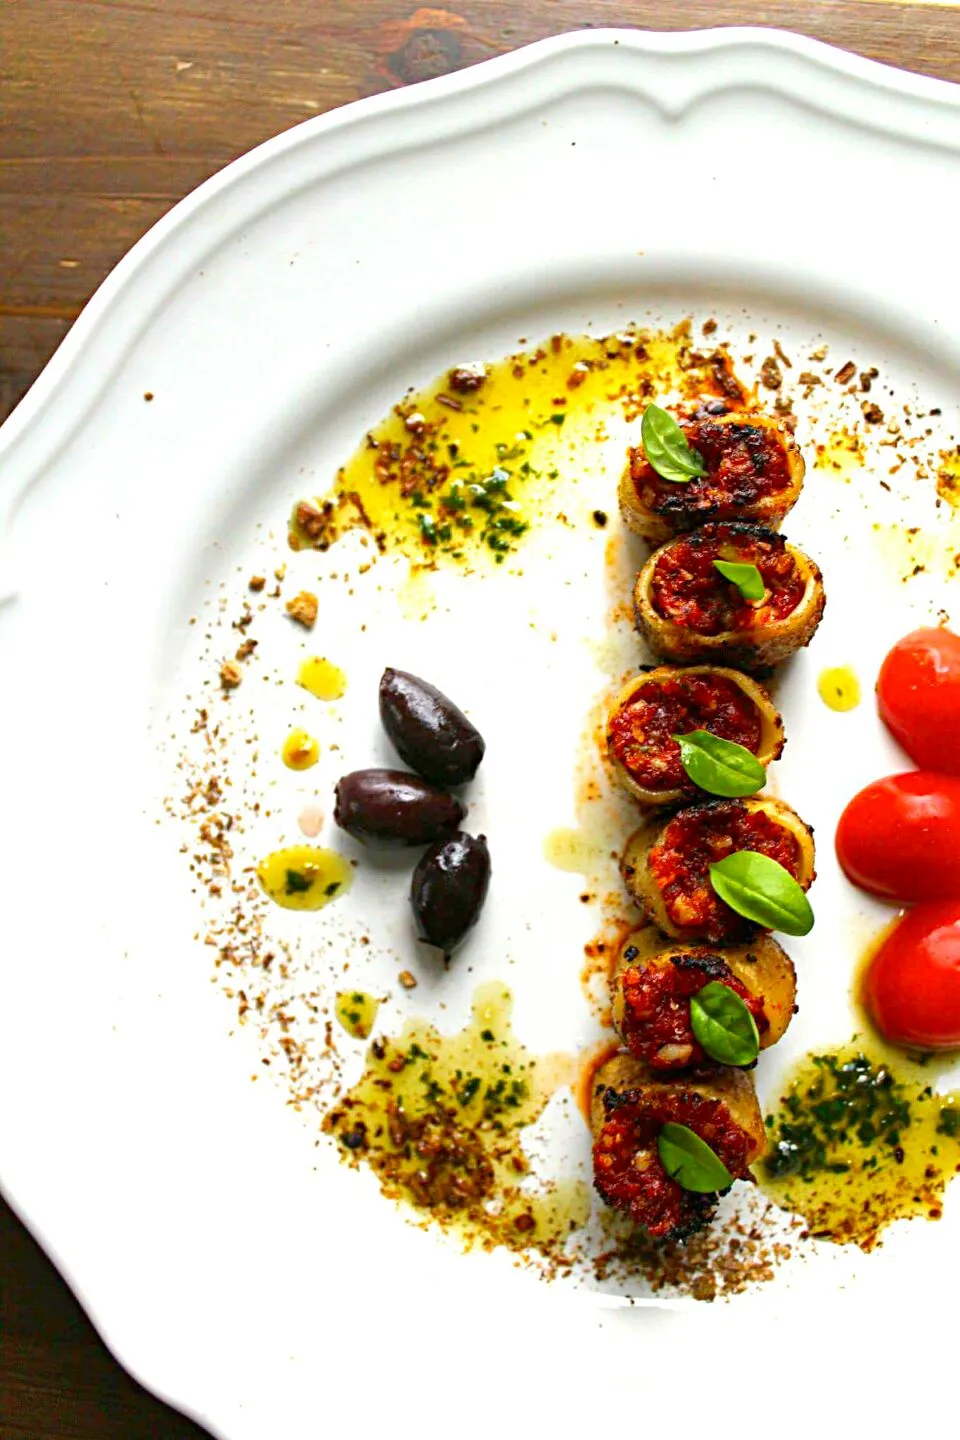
[[110, 111], [114, 109], [57, 1379]]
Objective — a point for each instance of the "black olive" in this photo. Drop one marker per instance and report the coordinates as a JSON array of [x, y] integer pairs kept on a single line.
[[393, 807], [428, 731], [448, 890]]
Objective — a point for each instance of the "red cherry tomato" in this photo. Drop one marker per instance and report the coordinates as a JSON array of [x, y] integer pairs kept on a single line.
[[912, 986], [918, 696], [900, 837]]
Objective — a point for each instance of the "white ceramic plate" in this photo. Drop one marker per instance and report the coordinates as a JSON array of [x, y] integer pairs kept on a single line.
[[229, 1260]]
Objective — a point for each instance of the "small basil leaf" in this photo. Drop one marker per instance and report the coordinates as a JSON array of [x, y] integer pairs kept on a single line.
[[747, 578], [667, 448], [723, 1025], [763, 891], [690, 1161], [720, 766]]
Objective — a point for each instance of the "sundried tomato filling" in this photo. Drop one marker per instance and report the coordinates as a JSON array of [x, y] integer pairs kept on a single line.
[[627, 1169], [744, 463], [696, 839], [688, 590], [655, 1021], [641, 731]]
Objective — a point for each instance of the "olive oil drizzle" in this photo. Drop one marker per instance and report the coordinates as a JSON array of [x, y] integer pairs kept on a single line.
[[356, 1011], [440, 1119], [861, 1137], [322, 678], [300, 751], [304, 877], [839, 688], [464, 478]]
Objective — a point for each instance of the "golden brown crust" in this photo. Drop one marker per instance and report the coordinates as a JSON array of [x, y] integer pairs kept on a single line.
[[763, 967], [642, 887], [768, 510], [771, 726], [751, 650], [303, 609], [733, 1087]]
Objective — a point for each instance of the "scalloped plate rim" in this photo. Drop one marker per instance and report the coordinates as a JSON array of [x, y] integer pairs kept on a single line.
[[842, 65], [38, 407]]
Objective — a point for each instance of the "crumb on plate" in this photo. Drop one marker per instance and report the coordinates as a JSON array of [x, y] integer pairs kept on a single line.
[[303, 609]]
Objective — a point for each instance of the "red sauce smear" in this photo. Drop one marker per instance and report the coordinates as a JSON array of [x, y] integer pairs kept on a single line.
[[640, 734], [692, 842], [688, 590], [656, 1007], [627, 1170], [745, 463]]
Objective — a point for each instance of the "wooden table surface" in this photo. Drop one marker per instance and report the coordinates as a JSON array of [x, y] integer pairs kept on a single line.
[[110, 111]]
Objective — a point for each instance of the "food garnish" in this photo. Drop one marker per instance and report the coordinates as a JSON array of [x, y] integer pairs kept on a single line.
[[428, 731], [667, 448], [690, 1161], [720, 766], [723, 1025], [394, 807], [900, 837], [448, 889], [911, 986], [745, 576], [761, 889], [918, 697]]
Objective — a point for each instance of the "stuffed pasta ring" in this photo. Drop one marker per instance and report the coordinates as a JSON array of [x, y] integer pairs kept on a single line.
[[655, 980], [651, 708], [754, 472], [666, 863], [630, 1106], [688, 611]]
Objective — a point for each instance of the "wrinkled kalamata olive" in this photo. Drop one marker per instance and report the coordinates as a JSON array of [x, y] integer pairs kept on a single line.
[[393, 807], [448, 890], [428, 731]]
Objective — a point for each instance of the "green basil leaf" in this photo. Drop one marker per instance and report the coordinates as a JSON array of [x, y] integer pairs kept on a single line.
[[690, 1161], [667, 448], [763, 891], [747, 578], [720, 766], [723, 1025]]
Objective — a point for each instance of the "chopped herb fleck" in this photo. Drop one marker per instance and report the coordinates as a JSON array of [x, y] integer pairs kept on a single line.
[[428, 528], [949, 1122], [848, 1101]]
